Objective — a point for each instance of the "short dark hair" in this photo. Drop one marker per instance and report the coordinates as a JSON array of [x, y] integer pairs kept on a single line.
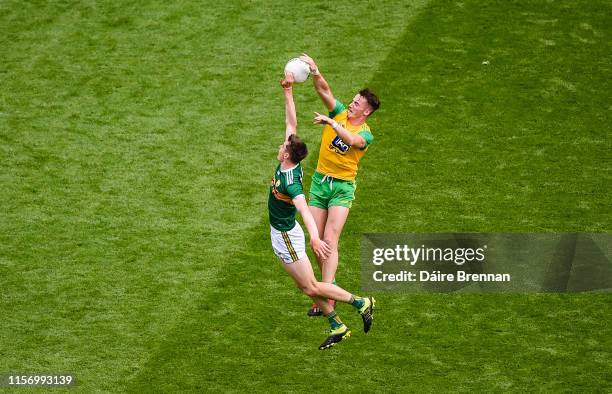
[[296, 148], [371, 98]]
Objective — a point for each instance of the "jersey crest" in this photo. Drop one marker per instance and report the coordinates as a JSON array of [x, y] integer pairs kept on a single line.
[[277, 194]]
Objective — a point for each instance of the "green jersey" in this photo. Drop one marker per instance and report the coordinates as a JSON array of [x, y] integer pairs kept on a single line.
[[286, 185]]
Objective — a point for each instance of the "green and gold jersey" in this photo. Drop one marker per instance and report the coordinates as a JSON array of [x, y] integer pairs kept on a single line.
[[336, 158], [286, 185]]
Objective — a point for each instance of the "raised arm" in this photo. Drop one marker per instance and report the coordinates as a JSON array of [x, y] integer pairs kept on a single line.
[[290, 116], [320, 248], [320, 84], [352, 139]]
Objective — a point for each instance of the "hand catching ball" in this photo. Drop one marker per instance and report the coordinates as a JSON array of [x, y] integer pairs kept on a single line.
[[299, 69]]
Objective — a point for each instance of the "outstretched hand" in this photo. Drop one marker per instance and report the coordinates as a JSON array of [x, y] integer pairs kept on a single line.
[[309, 60], [321, 249], [287, 82], [322, 119]]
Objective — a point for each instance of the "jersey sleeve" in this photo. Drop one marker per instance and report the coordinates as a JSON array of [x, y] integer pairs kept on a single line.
[[295, 189], [338, 108], [367, 136]]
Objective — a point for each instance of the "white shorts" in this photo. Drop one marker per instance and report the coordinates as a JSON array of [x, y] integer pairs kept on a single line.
[[290, 245]]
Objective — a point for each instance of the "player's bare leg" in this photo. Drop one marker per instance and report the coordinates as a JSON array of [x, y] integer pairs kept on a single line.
[[336, 218], [320, 217], [329, 223], [303, 275]]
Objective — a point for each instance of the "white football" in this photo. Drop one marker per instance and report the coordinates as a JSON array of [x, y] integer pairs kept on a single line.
[[299, 69]]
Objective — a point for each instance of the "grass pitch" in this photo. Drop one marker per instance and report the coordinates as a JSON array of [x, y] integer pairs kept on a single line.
[[137, 143]]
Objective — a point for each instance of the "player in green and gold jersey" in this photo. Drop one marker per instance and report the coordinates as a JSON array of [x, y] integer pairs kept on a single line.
[[345, 140], [288, 242]]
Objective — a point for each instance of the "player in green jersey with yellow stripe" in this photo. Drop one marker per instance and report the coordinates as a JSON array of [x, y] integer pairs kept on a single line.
[[288, 242]]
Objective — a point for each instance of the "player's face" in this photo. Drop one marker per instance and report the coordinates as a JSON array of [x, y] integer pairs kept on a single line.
[[359, 107], [282, 151]]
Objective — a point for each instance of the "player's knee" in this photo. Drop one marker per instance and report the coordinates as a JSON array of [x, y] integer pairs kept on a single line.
[[311, 289], [331, 241]]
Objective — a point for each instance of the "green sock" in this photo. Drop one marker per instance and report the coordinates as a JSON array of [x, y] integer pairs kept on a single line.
[[334, 320], [357, 302]]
